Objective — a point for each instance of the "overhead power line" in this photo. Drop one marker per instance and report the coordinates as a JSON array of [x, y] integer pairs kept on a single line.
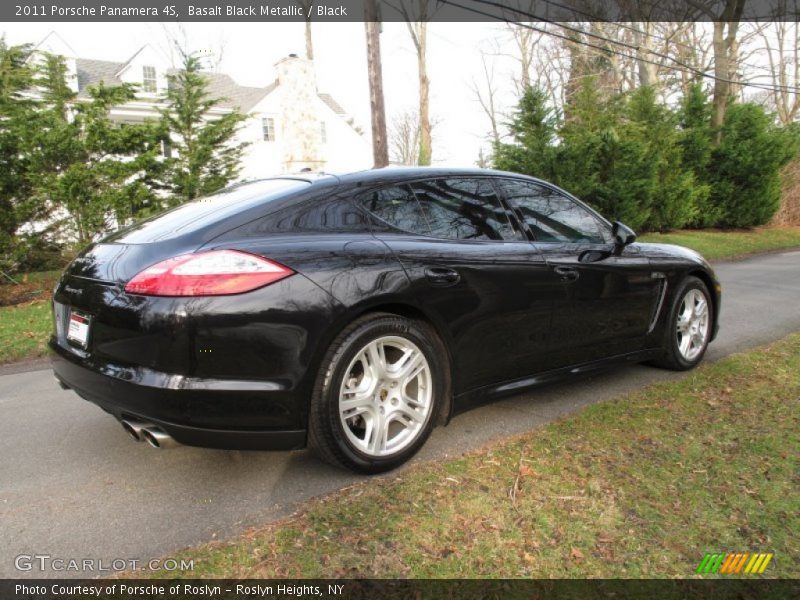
[[681, 65], [644, 33], [686, 68]]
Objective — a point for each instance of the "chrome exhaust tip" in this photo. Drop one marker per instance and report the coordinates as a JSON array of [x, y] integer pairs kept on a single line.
[[157, 438], [134, 428]]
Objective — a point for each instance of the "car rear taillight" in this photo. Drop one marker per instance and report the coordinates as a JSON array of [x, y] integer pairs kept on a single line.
[[214, 273]]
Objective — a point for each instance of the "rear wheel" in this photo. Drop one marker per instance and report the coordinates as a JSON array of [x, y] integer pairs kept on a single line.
[[688, 329], [378, 393]]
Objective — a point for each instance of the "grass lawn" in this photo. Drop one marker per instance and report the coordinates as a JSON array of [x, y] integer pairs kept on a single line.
[[24, 330], [722, 245], [25, 319], [641, 486]]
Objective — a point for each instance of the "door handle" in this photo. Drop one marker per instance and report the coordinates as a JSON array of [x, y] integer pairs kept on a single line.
[[567, 273], [442, 276]]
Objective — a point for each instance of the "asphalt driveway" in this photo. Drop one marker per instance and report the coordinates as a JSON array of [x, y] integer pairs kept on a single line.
[[73, 485]]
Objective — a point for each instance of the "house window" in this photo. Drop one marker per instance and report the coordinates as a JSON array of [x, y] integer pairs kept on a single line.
[[149, 79], [268, 128], [166, 148], [323, 132]]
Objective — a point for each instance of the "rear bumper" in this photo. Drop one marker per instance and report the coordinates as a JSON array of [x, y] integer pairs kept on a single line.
[[212, 413]]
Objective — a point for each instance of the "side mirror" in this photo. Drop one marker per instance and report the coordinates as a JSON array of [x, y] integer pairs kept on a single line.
[[623, 235]]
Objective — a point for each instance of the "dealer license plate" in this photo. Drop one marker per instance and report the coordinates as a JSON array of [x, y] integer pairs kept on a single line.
[[78, 330]]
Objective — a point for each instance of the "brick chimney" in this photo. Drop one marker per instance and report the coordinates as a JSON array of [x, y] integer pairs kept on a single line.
[[298, 114]]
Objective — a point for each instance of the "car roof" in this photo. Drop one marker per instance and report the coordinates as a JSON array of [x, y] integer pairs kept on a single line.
[[393, 174], [398, 173]]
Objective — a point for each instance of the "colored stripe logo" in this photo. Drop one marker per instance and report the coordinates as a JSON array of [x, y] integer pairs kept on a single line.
[[732, 563]]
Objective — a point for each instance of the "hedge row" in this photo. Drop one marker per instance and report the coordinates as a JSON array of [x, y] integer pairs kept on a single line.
[[653, 166]]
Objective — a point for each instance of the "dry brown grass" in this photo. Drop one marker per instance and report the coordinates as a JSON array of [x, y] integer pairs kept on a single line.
[[789, 212]]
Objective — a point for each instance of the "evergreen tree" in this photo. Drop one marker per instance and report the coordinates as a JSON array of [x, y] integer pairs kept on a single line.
[[694, 116], [676, 192], [606, 158], [624, 182], [580, 136], [98, 171], [16, 110], [745, 178], [207, 157], [533, 130], [652, 167]]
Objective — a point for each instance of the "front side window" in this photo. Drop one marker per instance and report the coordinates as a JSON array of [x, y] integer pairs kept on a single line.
[[149, 79], [268, 129], [399, 207], [552, 216], [463, 209]]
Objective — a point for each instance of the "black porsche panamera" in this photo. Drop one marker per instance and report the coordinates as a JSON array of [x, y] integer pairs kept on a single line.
[[353, 313]]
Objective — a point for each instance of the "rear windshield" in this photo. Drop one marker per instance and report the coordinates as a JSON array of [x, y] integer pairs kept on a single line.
[[205, 211]]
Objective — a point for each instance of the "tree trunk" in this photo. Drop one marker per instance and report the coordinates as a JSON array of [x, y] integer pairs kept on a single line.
[[725, 49], [577, 70], [784, 63], [487, 102], [525, 44], [648, 71], [722, 88], [380, 148], [309, 41], [425, 142]]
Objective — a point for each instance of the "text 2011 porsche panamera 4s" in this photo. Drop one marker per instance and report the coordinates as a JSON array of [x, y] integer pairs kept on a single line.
[[353, 313]]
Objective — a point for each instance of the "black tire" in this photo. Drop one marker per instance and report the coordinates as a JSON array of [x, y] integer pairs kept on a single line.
[[327, 436], [671, 357]]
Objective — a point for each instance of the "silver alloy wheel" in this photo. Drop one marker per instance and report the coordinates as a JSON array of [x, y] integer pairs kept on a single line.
[[385, 397], [693, 324]]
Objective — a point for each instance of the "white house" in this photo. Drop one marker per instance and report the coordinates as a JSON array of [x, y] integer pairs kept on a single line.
[[289, 124]]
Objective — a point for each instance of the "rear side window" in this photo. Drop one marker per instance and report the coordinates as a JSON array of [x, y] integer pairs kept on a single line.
[[552, 216], [204, 211], [399, 207], [455, 208], [463, 209]]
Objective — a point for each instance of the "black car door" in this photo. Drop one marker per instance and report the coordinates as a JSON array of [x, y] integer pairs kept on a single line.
[[472, 269], [607, 300]]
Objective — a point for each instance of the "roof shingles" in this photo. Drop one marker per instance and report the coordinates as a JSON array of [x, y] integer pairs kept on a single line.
[[221, 86]]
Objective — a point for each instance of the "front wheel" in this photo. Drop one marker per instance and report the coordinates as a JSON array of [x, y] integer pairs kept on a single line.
[[688, 329], [377, 394]]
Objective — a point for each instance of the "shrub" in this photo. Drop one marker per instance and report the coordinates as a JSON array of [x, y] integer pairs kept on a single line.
[[744, 173], [694, 116], [651, 166], [675, 190]]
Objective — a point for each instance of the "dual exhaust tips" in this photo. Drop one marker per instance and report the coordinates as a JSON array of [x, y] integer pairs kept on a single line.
[[147, 432]]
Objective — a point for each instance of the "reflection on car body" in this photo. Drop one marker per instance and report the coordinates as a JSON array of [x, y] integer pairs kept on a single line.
[[353, 313]]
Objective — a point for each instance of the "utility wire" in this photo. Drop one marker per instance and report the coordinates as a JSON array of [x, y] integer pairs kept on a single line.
[[651, 35], [637, 49], [620, 24], [685, 67]]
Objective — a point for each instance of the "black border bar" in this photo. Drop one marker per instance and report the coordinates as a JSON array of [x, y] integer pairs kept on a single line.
[[388, 589], [388, 10]]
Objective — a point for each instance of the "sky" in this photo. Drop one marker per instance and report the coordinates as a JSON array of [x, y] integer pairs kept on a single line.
[[249, 51]]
